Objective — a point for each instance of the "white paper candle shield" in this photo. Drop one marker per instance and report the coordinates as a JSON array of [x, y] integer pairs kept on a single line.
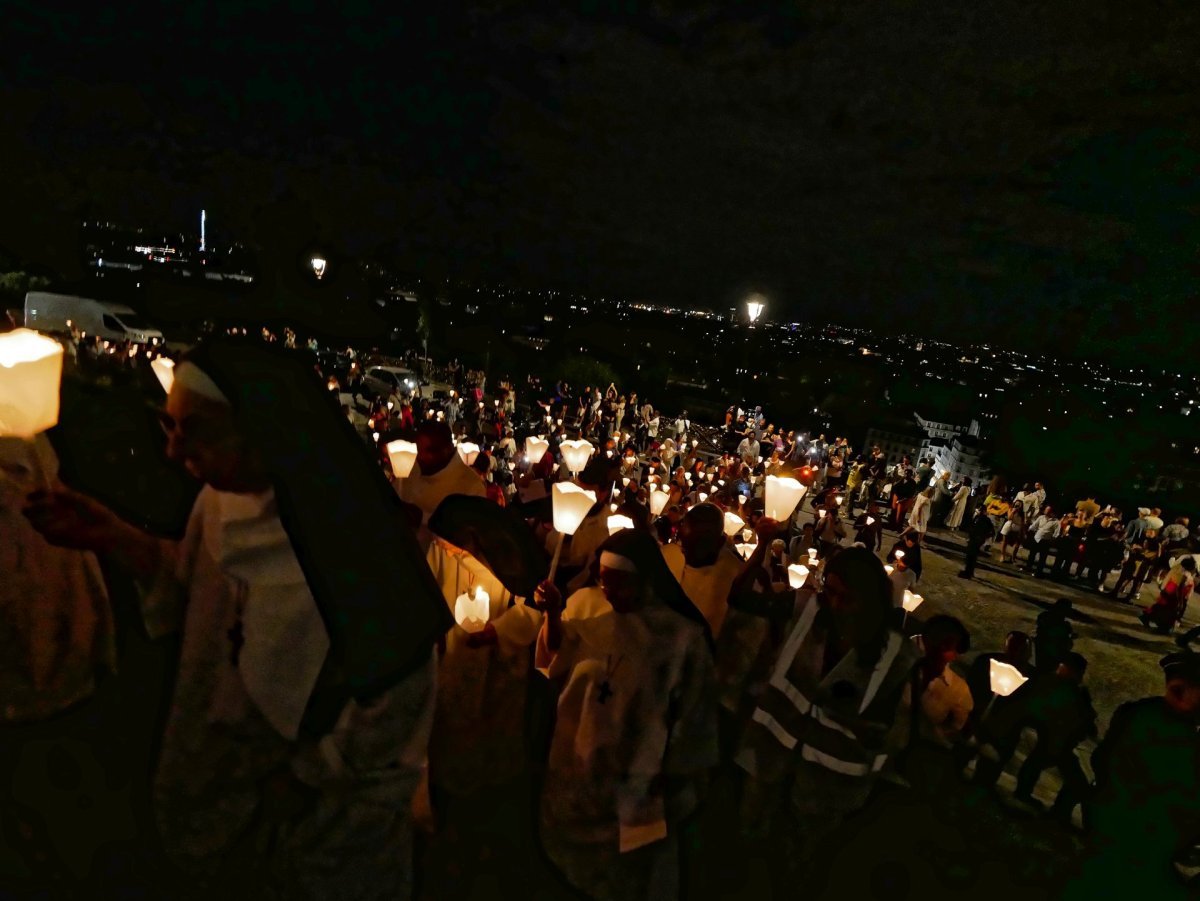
[[1005, 677], [911, 601], [570, 504], [899, 555], [575, 454], [733, 524], [782, 495], [888, 568], [745, 550], [472, 609], [797, 575], [617, 523], [30, 376], [468, 451], [535, 449], [403, 456]]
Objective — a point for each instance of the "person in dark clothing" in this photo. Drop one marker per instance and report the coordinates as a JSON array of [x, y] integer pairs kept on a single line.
[[911, 546], [1059, 709], [1016, 653], [979, 532], [869, 528], [1054, 637], [1067, 547], [1104, 552], [1144, 812]]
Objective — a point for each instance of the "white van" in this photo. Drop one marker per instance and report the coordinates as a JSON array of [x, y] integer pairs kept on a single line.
[[60, 312]]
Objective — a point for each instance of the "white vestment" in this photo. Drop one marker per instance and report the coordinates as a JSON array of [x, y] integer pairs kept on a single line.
[[56, 626], [427, 492], [959, 510], [478, 731], [636, 705], [253, 646], [706, 586]]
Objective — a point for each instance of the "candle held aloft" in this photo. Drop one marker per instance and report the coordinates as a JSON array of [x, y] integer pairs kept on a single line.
[[403, 456], [30, 376], [1005, 678], [797, 575]]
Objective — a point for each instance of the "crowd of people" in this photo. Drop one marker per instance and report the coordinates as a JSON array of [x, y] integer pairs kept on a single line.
[[364, 654]]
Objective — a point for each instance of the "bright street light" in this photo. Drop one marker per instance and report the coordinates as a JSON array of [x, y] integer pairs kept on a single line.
[[318, 266], [755, 304]]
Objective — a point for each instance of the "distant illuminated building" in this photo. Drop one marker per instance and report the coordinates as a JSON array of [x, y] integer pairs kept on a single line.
[[203, 222]]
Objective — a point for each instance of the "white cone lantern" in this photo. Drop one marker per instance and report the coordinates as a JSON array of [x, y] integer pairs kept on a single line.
[[658, 501], [617, 523], [571, 505], [797, 575], [888, 568], [30, 377], [1005, 678], [782, 495], [535, 449], [575, 454], [472, 609], [899, 555], [911, 601], [468, 451], [745, 550], [164, 370], [733, 524], [403, 456]]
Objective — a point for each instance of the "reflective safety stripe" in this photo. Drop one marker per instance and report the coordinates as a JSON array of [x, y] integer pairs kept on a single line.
[[791, 647], [836, 764], [829, 723], [792, 693], [772, 725], [886, 659]]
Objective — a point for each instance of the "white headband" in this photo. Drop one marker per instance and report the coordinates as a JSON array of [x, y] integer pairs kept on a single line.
[[609, 560], [191, 377]]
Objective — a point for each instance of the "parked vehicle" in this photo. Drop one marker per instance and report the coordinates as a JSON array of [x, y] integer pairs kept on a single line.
[[48, 312], [380, 381]]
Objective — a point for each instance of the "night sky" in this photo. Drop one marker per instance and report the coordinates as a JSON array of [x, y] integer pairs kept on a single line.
[[1024, 174]]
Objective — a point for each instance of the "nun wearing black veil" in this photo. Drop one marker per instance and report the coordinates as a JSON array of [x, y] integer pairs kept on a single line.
[[636, 727], [304, 695]]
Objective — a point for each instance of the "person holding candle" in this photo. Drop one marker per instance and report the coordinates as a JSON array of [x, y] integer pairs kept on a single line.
[[635, 732], [439, 472], [302, 703], [1058, 708]]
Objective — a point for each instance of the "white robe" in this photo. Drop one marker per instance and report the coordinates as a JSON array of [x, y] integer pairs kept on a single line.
[[236, 712], [636, 704], [959, 510], [427, 492], [918, 516], [478, 731], [56, 625], [706, 586]]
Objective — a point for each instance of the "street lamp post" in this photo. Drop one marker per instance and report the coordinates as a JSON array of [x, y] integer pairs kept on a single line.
[[319, 265], [755, 305]]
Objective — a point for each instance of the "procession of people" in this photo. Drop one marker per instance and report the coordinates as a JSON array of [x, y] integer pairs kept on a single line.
[[399, 644]]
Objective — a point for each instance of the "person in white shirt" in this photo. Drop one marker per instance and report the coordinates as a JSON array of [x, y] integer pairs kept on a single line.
[[1043, 532]]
